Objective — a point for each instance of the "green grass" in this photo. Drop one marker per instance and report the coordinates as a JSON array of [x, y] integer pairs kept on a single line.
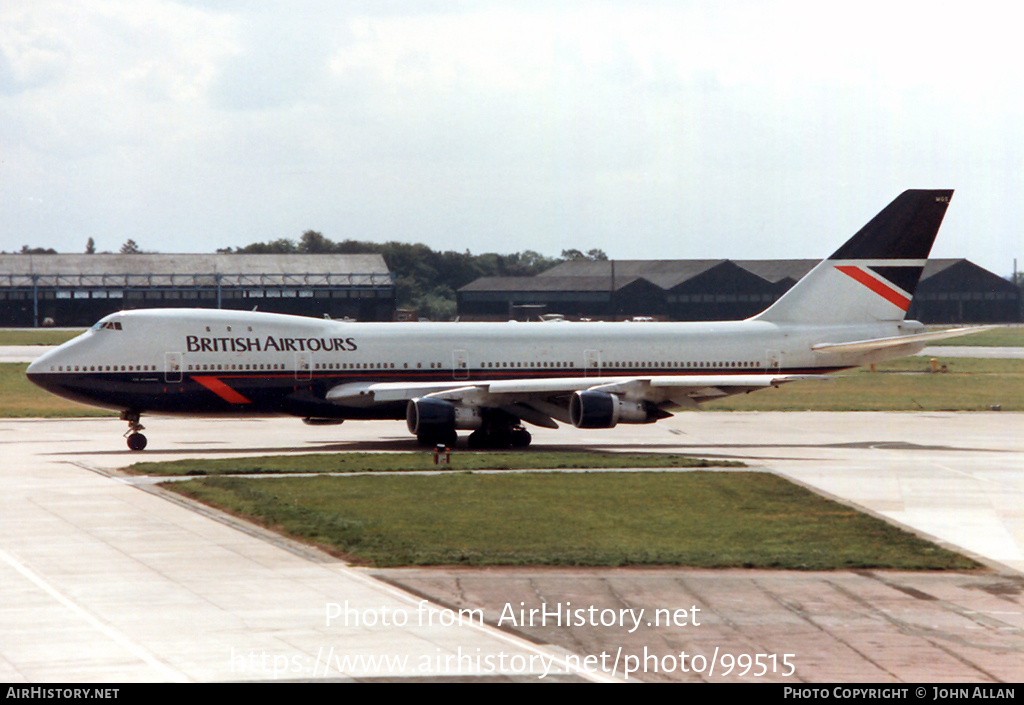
[[704, 519], [405, 462], [898, 385], [37, 336], [20, 398], [1007, 336]]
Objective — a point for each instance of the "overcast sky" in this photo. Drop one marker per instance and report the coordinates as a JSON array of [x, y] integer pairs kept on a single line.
[[649, 130]]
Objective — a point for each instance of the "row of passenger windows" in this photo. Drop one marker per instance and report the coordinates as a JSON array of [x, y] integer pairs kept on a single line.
[[405, 365], [236, 367], [362, 365], [221, 368], [377, 366], [541, 365], [105, 368], [529, 364], [690, 364]]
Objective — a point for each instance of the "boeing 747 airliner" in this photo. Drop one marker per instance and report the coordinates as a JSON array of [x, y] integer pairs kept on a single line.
[[489, 378]]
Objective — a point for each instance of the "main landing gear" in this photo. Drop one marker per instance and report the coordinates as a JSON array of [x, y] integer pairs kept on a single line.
[[447, 439], [136, 441], [500, 435]]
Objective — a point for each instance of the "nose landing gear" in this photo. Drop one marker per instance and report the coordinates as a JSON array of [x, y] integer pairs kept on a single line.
[[136, 441]]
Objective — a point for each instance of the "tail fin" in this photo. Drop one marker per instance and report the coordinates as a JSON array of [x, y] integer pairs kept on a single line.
[[873, 276]]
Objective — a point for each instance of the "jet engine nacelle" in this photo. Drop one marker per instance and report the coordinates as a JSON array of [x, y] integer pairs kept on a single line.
[[437, 417], [604, 410]]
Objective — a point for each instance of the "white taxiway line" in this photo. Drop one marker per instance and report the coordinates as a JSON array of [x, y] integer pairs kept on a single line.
[[116, 636]]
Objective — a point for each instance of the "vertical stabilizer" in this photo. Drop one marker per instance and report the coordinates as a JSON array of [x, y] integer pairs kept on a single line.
[[873, 276]]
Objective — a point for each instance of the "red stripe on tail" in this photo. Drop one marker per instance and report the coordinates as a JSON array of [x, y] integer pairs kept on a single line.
[[886, 292]]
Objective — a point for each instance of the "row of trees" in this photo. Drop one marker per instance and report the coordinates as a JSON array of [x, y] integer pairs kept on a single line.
[[425, 280], [128, 248]]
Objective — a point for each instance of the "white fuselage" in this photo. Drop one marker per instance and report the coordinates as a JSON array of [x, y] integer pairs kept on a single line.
[[488, 377], [154, 352]]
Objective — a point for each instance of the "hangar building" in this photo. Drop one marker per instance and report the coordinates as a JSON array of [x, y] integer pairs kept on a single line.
[[78, 290], [950, 291]]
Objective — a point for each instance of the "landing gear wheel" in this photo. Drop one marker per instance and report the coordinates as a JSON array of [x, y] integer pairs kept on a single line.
[[136, 441], [446, 439], [521, 437], [500, 437], [477, 440]]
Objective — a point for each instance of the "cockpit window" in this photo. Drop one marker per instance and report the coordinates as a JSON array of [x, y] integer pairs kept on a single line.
[[107, 325]]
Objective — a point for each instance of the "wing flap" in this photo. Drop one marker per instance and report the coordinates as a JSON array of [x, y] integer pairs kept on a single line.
[[499, 393], [369, 392]]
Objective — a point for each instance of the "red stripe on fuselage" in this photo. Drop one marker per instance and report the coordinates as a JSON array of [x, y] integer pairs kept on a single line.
[[222, 390], [886, 292]]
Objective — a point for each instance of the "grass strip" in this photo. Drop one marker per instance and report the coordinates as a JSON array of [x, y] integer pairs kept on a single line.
[[37, 336], [405, 462], [899, 385], [1008, 336], [21, 398], [703, 519]]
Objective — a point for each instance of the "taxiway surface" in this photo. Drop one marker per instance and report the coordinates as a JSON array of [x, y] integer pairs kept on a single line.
[[103, 580]]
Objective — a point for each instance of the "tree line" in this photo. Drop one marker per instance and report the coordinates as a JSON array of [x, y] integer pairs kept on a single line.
[[425, 279]]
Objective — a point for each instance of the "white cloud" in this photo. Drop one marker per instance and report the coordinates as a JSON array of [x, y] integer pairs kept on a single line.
[[662, 129]]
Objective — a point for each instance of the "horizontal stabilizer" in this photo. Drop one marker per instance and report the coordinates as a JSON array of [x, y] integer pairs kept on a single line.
[[860, 346]]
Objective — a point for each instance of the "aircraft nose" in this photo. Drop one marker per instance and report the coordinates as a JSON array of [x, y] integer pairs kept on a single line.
[[42, 371], [39, 364], [54, 357], [43, 364]]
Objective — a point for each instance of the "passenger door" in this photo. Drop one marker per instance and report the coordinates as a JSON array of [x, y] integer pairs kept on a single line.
[[172, 367], [460, 364], [303, 366]]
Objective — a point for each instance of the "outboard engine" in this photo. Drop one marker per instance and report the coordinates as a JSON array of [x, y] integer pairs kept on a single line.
[[604, 410]]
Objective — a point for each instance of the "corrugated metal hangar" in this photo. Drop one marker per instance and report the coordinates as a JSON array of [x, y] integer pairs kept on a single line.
[[78, 290], [950, 291]]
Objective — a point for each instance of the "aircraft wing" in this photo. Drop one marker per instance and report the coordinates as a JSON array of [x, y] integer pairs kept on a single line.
[[538, 401], [918, 339]]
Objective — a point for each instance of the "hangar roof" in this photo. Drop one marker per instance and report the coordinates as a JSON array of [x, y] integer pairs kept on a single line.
[[775, 270], [193, 270], [539, 283], [665, 273], [594, 275]]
